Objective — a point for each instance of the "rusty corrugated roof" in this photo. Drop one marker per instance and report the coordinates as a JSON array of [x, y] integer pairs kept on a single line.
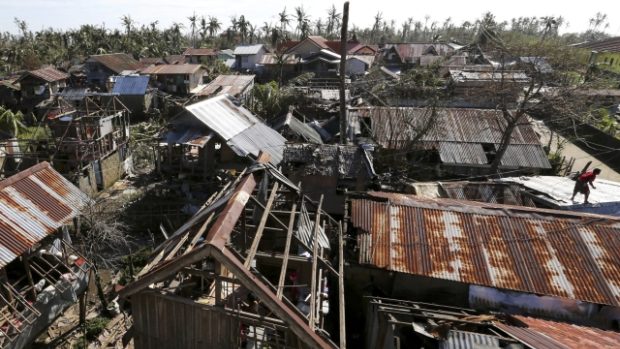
[[555, 253], [116, 62], [49, 74], [171, 69], [200, 52], [538, 333], [34, 203]]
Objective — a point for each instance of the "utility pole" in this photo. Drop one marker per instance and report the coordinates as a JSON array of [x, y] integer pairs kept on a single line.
[[343, 62]]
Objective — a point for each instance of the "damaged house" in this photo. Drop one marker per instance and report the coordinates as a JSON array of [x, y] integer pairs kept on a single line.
[[88, 144], [452, 140], [259, 266], [41, 274], [237, 86], [217, 133], [559, 265], [99, 68], [177, 79], [485, 86], [38, 86], [328, 169]]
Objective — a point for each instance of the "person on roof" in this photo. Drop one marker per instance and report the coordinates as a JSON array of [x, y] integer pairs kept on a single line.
[[581, 184]]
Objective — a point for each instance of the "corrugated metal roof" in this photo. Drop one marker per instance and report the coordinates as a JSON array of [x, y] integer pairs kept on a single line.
[[557, 192], [223, 116], [131, 85], [606, 45], [248, 49], [188, 136], [257, 138], [49, 74], [299, 128], [75, 93], [272, 59], [117, 62], [171, 69], [34, 203], [200, 52], [530, 250], [469, 340], [507, 76], [539, 334], [457, 133], [487, 192], [231, 84]]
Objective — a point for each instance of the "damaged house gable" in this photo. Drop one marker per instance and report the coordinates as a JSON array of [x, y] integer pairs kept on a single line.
[[42, 274], [217, 132], [243, 267]]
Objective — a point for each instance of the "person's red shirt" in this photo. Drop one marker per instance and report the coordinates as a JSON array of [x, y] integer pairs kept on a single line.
[[587, 177]]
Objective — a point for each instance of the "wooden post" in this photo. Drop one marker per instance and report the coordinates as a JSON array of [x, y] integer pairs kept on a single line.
[[343, 332], [343, 63], [261, 226], [29, 275], [315, 251], [287, 249]]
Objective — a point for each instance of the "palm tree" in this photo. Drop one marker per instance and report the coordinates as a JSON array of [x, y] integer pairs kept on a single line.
[[214, 25], [242, 24], [376, 27], [303, 21], [318, 25], [192, 25], [284, 20], [203, 29], [333, 21]]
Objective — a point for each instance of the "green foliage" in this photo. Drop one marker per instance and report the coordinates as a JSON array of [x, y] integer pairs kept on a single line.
[[95, 326], [10, 122], [270, 101]]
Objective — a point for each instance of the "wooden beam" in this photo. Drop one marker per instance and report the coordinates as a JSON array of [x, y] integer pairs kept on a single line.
[[261, 226], [269, 299], [221, 229], [341, 310], [200, 233], [287, 249], [299, 241], [172, 267], [315, 250]]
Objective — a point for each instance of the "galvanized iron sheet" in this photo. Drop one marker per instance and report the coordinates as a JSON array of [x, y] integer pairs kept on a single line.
[[530, 250], [538, 333], [259, 138], [49, 74], [223, 116], [33, 204]]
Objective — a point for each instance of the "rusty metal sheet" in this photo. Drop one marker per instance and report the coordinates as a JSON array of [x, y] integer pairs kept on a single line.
[[172, 69], [49, 74], [530, 250], [538, 333], [117, 62], [34, 203]]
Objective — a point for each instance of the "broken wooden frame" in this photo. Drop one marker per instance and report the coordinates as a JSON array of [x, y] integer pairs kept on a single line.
[[388, 319], [260, 247], [53, 266]]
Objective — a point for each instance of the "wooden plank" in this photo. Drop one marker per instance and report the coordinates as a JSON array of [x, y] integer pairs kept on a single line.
[[315, 250], [287, 249], [341, 310], [261, 226]]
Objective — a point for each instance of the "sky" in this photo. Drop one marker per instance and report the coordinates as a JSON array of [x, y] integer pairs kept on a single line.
[[65, 14]]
